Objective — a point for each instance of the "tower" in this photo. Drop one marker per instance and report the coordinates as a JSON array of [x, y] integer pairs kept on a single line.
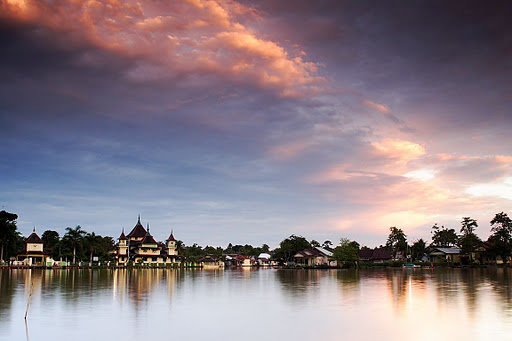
[[171, 245]]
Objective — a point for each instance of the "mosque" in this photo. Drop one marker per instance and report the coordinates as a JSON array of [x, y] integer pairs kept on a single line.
[[140, 247]]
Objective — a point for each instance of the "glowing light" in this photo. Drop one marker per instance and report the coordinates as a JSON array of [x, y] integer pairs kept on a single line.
[[501, 189], [421, 174]]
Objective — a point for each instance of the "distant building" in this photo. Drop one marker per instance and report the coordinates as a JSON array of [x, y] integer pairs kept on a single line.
[[209, 262], [317, 256], [34, 253], [445, 254], [377, 255], [140, 247]]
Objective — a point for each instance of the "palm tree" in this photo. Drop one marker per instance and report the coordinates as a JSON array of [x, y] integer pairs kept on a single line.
[[92, 243], [75, 237]]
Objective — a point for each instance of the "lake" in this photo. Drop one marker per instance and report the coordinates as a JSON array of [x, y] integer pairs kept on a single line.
[[252, 304]]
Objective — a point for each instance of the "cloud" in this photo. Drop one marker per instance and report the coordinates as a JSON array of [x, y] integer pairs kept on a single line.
[[177, 40], [287, 151], [379, 107]]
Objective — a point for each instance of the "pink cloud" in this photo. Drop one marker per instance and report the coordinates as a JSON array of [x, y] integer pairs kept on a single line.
[[380, 107], [288, 151], [192, 37]]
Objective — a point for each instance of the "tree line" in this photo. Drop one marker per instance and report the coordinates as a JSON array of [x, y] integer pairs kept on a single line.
[[79, 245]]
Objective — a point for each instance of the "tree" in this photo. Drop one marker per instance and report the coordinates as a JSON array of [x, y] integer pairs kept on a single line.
[[92, 242], [290, 246], [468, 225], [418, 249], [50, 238], [347, 252], [443, 237], [397, 240], [314, 243], [10, 238], [501, 237], [468, 240], [327, 244], [75, 238]]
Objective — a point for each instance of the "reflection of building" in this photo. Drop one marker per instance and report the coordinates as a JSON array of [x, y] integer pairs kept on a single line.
[[317, 256], [140, 247], [34, 253]]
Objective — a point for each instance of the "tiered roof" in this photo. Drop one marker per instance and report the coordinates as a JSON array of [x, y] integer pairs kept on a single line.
[[138, 231], [34, 238]]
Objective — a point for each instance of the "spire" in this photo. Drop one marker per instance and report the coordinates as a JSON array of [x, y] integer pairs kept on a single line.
[[138, 220], [34, 230], [148, 229]]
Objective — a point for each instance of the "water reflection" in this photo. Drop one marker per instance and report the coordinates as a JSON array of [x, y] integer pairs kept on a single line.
[[471, 304]]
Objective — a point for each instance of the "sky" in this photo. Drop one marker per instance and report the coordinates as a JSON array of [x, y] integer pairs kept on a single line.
[[248, 121]]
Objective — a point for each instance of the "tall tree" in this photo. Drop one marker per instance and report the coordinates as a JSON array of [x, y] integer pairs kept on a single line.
[[468, 240], [75, 238], [418, 249], [397, 240], [501, 237], [443, 237], [468, 225], [290, 246], [347, 252], [10, 238], [50, 238], [92, 243]]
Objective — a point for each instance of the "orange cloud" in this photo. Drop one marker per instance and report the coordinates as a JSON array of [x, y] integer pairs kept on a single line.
[[287, 151], [192, 37], [380, 107], [401, 150]]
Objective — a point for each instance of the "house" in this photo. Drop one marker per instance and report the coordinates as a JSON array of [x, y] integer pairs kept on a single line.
[[264, 259], [209, 262], [377, 255], [445, 254], [34, 253], [317, 256], [140, 247]]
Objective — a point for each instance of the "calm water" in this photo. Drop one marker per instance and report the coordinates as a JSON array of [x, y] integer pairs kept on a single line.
[[459, 304]]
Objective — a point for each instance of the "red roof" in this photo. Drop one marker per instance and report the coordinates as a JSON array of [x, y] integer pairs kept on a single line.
[[148, 239], [34, 239], [122, 236], [171, 238], [138, 231]]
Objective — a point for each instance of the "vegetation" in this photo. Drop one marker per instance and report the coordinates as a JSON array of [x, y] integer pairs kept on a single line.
[[10, 239], [347, 253], [443, 237], [80, 245]]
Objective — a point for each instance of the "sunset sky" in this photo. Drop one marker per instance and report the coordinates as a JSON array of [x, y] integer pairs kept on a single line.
[[247, 121]]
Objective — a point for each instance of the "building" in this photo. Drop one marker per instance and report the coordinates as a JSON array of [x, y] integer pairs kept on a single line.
[[317, 256], [445, 254], [377, 255], [34, 253], [140, 247]]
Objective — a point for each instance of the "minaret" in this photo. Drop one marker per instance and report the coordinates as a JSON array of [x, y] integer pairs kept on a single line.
[[171, 245], [123, 247]]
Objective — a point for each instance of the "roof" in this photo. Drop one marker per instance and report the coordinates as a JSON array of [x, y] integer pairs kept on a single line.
[[34, 239], [171, 238], [148, 239], [376, 254], [448, 250], [138, 231], [324, 251], [122, 236], [264, 255]]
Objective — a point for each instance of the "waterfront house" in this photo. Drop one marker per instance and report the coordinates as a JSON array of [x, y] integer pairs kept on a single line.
[[445, 254], [264, 259], [140, 247], [34, 253], [377, 255], [316, 256], [209, 262]]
